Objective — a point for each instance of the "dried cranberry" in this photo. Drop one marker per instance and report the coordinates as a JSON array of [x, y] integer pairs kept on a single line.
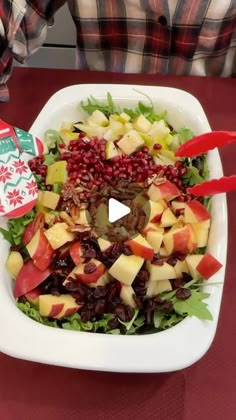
[[127, 250], [89, 268], [183, 293], [113, 322], [120, 312]]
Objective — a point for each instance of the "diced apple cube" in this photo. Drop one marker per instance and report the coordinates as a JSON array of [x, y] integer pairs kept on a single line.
[[208, 266], [81, 274], [181, 240], [167, 191], [111, 150], [126, 268], [192, 261], [124, 117], [168, 218], [159, 130], [126, 295], [130, 142], [58, 235], [156, 210], [49, 199], [102, 281], [57, 306], [142, 124], [180, 268], [160, 272], [163, 252], [91, 131], [97, 117], [155, 238], [154, 288], [201, 232], [84, 218], [141, 247], [57, 173], [195, 212], [14, 263], [177, 205], [103, 244]]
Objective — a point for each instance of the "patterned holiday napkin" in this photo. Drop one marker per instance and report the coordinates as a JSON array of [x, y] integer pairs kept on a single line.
[[18, 188]]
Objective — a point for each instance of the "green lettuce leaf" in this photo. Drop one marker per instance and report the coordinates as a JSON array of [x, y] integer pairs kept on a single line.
[[184, 135], [34, 314], [94, 104], [16, 228], [193, 306]]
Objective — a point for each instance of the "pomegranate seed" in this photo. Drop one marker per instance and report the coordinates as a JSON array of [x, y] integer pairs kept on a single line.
[[157, 146]]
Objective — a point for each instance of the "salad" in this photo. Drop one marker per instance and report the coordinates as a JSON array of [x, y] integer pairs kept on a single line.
[[72, 267]]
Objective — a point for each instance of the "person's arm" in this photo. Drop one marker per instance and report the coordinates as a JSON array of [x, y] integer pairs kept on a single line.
[[22, 31]]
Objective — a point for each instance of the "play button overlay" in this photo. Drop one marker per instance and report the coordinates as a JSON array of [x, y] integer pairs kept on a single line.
[[120, 212], [116, 210]]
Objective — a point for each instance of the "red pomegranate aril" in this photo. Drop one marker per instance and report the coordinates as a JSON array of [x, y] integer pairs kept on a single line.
[[183, 171], [157, 146]]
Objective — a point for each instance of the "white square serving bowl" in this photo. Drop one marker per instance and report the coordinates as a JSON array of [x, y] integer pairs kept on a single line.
[[166, 351]]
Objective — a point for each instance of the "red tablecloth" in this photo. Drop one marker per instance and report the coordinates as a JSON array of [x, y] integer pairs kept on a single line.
[[204, 391]]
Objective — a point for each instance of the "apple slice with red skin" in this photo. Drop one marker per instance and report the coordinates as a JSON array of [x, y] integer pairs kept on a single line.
[[195, 212], [151, 227], [57, 306], [28, 278], [156, 210], [75, 251], [181, 240], [140, 247], [33, 296], [80, 271], [167, 191], [40, 250], [208, 266], [28, 233]]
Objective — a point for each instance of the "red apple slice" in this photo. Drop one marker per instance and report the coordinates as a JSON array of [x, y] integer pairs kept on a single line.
[[195, 212], [28, 278], [126, 268], [168, 218], [160, 272], [208, 266], [40, 250], [28, 233], [181, 240], [75, 251], [57, 306], [166, 191], [156, 209], [33, 296], [141, 247], [81, 272]]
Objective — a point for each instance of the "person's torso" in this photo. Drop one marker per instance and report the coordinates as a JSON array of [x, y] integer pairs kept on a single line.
[[152, 36]]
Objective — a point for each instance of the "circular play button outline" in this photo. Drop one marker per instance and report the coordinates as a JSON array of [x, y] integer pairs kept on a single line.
[[118, 213]]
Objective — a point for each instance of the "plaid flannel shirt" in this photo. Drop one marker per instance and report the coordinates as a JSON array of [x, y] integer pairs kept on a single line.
[[140, 36]]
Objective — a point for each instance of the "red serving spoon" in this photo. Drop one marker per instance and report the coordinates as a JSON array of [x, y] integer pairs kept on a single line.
[[202, 144]]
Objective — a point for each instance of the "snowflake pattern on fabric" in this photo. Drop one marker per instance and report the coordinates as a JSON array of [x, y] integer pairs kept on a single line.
[[18, 188]]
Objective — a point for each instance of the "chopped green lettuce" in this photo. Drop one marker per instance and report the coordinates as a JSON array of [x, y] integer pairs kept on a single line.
[[16, 228]]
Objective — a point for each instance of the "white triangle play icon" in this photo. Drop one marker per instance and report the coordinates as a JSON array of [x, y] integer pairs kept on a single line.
[[116, 210]]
